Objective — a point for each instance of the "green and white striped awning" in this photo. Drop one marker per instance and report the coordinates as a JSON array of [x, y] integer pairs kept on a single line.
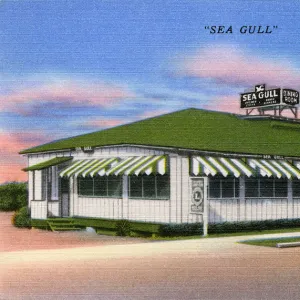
[[134, 165], [250, 167]]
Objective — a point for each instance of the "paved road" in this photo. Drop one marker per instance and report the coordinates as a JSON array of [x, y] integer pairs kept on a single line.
[[194, 269]]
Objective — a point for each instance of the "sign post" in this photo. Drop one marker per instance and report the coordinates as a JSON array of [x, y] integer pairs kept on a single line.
[[199, 201]]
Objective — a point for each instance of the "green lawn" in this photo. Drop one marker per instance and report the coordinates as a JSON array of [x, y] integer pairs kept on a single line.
[[272, 242]]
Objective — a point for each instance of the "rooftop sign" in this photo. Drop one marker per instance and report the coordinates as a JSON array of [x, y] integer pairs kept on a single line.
[[272, 97]]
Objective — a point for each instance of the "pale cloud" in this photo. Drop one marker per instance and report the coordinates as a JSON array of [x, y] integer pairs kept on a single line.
[[104, 123], [153, 113], [230, 65], [11, 163], [67, 93], [230, 103]]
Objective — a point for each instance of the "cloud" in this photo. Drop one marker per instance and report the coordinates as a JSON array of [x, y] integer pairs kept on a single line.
[[104, 123], [153, 113], [230, 65], [230, 103], [11, 163], [67, 93]]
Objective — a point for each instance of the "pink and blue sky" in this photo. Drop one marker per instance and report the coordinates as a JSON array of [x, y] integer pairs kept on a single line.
[[70, 67]]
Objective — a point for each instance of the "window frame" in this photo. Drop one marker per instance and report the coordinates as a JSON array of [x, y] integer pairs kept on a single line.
[[260, 181], [156, 190], [235, 188], [119, 196], [293, 192]]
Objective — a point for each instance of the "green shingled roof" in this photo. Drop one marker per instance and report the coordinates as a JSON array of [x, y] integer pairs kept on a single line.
[[195, 129]]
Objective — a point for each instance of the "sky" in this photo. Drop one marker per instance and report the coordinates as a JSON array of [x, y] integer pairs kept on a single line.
[[70, 67]]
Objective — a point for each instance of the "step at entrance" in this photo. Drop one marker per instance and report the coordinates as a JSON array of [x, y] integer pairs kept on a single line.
[[62, 225]]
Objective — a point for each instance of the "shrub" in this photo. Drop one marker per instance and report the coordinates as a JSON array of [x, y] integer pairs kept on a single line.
[[21, 218], [227, 227], [123, 228], [185, 229], [13, 196]]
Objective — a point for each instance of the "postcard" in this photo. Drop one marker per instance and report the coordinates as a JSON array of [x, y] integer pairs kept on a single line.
[[149, 149]]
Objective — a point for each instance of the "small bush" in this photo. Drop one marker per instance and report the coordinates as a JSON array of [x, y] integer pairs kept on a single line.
[[123, 228], [21, 218], [13, 196], [185, 229]]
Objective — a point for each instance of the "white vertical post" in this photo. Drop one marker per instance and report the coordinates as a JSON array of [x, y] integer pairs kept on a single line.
[[72, 191], [38, 185], [185, 190], [173, 188], [290, 208], [205, 207], [242, 200], [125, 201], [30, 188]]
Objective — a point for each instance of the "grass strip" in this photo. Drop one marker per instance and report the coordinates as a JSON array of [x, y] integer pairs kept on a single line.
[[271, 242]]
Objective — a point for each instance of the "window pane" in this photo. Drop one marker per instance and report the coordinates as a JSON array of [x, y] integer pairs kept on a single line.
[[54, 184], [214, 188], [251, 185], [296, 188], [100, 186], [64, 185], [228, 188], [266, 187], [135, 188], [237, 187], [163, 186], [281, 188], [86, 186], [114, 184], [149, 186]]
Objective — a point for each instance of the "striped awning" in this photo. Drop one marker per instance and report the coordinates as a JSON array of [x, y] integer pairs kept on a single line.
[[250, 167], [134, 165]]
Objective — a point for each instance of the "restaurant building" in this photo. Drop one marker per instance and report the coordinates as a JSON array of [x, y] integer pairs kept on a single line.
[[184, 167]]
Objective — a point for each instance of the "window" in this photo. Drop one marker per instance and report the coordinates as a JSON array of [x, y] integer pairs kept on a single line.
[[223, 187], [149, 187], [296, 188], [46, 183], [214, 188], [86, 186], [280, 187], [50, 183], [265, 187], [252, 188], [54, 187], [100, 186], [64, 185]]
